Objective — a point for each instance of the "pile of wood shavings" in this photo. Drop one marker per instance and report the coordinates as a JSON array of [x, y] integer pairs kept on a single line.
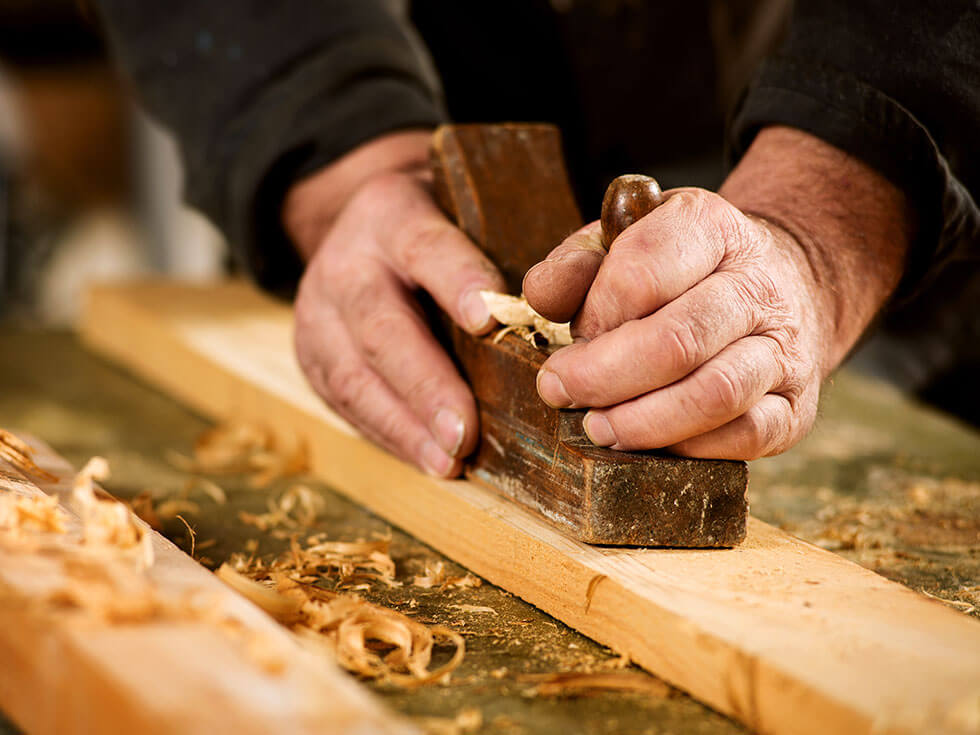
[[369, 640], [244, 448], [517, 316]]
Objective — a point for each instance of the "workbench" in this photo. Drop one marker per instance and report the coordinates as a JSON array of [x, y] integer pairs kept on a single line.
[[882, 481]]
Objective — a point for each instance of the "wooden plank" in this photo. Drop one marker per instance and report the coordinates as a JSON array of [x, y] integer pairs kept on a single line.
[[65, 671], [782, 635]]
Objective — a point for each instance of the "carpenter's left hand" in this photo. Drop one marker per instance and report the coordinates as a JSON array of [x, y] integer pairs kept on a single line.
[[703, 330]]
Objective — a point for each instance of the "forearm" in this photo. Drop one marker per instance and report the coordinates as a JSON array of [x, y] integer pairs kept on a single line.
[[313, 203], [852, 224]]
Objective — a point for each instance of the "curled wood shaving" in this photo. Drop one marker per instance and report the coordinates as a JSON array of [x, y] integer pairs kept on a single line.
[[517, 316], [366, 639], [436, 576], [577, 684], [298, 507], [244, 448], [106, 522], [18, 454]]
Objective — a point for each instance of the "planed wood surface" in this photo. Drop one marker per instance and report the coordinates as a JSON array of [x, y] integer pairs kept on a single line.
[[63, 672], [782, 635]]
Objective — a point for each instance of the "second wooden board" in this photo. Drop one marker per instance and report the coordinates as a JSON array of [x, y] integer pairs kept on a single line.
[[782, 635]]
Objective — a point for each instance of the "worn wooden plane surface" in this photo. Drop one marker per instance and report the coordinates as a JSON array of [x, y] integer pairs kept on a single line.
[[506, 187]]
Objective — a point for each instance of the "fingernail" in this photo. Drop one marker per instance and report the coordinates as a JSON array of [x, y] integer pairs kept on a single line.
[[435, 461], [476, 315], [552, 390], [598, 429], [448, 428]]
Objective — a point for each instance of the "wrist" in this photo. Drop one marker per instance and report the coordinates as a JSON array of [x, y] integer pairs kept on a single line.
[[312, 204], [851, 225]]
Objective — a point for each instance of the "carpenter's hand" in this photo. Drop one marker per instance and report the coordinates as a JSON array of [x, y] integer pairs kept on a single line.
[[703, 330], [361, 337]]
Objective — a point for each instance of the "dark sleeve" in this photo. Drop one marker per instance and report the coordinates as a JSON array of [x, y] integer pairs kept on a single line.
[[895, 83], [259, 93]]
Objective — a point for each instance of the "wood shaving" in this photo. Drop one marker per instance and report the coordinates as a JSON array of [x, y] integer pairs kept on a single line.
[[436, 576], [142, 506], [964, 607], [468, 720], [475, 608], [298, 507], [175, 506], [577, 684], [106, 522], [366, 639], [30, 514], [517, 316], [210, 488], [244, 448], [17, 453]]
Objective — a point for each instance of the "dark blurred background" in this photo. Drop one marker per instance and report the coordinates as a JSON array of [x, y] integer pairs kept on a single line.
[[89, 187]]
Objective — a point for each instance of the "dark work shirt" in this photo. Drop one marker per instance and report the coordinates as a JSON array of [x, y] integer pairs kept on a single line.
[[261, 93]]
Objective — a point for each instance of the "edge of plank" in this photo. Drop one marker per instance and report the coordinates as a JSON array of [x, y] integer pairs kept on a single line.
[[878, 657], [64, 674]]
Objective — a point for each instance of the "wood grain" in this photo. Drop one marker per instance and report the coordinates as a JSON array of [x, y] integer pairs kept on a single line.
[[63, 671], [782, 635]]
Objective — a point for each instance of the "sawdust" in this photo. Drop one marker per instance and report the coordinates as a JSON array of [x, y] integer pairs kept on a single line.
[[517, 316], [244, 448]]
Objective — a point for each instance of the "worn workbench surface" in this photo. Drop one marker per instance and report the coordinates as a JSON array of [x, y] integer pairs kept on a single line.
[[885, 483]]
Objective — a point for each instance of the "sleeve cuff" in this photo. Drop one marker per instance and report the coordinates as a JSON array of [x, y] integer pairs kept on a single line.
[[323, 109]]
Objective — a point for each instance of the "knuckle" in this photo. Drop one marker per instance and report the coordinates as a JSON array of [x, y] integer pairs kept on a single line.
[[347, 387], [759, 434], [722, 392], [683, 347], [418, 239], [383, 328], [423, 387], [727, 221]]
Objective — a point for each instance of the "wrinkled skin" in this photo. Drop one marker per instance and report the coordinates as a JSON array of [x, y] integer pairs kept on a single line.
[[700, 331]]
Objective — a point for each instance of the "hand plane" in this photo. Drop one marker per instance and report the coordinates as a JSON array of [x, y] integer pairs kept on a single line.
[[506, 187]]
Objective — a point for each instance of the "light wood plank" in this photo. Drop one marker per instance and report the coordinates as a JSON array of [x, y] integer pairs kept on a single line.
[[782, 635], [62, 672]]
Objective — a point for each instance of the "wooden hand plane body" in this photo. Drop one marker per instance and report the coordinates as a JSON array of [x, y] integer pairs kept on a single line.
[[506, 187]]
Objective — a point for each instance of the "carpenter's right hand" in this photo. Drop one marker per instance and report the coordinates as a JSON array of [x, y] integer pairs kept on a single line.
[[361, 337]]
